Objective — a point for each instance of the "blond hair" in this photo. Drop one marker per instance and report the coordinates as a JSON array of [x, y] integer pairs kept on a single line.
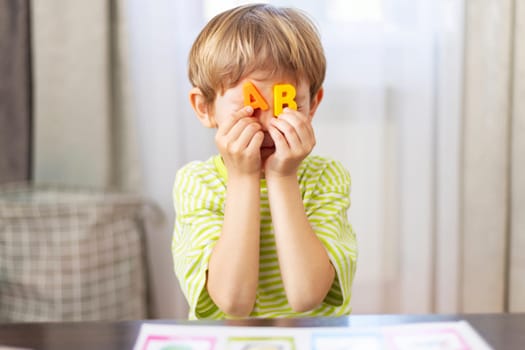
[[239, 41]]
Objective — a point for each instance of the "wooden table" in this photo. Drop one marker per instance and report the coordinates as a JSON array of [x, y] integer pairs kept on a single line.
[[501, 331]]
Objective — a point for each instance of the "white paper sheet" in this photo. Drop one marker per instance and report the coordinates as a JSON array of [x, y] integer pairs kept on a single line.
[[413, 336]]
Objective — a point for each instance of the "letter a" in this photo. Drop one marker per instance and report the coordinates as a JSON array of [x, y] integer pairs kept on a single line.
[[253, 98], [283, 96]]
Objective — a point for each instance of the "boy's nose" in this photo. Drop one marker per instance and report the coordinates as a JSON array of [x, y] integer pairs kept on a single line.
[[263, 116]]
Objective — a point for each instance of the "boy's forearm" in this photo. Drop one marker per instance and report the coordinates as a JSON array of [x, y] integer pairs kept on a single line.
[[305, 267], [233, 271]]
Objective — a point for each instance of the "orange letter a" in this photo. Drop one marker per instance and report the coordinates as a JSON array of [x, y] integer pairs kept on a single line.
[[253, 98]]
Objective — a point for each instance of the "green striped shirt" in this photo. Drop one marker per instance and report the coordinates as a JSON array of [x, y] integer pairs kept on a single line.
[[199, 196]]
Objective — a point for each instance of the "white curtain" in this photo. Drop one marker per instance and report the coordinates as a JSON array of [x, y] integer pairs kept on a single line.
[[111, 108], [516, 281], [493, 230]]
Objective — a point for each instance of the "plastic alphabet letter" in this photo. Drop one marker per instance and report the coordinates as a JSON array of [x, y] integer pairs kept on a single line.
[[253, 98], [283, 96]]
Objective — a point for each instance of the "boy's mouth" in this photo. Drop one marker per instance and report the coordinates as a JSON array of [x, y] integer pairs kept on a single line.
[[267, 141], [267, 146], [266, 152]]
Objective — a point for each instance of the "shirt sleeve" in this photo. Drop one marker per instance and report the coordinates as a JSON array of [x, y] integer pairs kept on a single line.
[[198, 223], [327, 212]]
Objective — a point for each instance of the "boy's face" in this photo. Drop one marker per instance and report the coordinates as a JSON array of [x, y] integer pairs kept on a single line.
[[233, 100]]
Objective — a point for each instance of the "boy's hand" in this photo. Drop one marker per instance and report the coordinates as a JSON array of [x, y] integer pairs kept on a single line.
[[239, 140], [294, 139]]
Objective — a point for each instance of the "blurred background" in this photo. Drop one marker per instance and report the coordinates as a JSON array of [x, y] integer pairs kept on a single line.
[[424, 104]]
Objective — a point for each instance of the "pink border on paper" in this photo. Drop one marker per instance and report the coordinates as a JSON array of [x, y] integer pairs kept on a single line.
[[154, 337]]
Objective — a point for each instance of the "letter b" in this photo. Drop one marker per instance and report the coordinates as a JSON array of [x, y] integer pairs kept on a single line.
[[283, 96]]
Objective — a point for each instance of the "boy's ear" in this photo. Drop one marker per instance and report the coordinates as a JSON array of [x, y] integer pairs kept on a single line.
[[202, 108], [316, 101]]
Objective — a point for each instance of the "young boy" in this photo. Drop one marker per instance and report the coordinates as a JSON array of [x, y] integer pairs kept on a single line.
[[261, 230]]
